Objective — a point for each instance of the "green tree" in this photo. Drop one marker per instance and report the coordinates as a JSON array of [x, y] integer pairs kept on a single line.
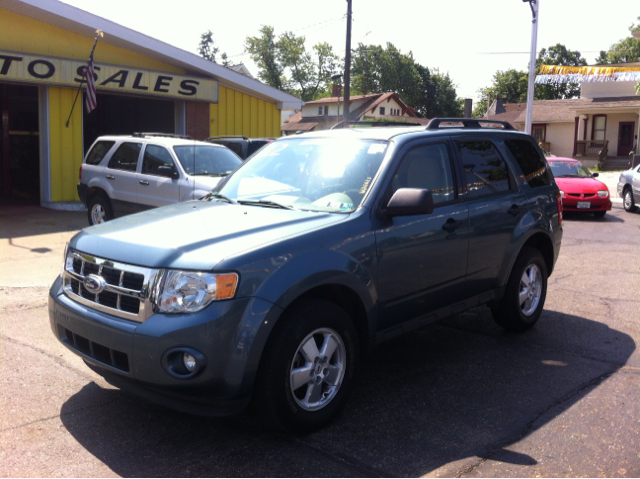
[[625, 51], [207, 48], [511, 86], [285, 63], [558, 55]]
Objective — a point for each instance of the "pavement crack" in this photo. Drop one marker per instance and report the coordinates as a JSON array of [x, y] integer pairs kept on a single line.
[[57, 359], [529, 426], [49, 418]]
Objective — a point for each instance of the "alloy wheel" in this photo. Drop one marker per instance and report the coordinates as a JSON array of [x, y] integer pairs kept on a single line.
[[317, 369], [530, 289], [98, 214]]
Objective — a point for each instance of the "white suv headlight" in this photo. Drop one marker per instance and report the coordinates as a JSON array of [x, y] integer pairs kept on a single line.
[[190, 291], [603, 193]]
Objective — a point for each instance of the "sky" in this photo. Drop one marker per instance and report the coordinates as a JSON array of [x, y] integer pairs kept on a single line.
[[469, 39]]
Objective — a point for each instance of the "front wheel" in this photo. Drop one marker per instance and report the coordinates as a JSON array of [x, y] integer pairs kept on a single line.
[[99, 210], [308, 367], [627, 201], [524, 296]]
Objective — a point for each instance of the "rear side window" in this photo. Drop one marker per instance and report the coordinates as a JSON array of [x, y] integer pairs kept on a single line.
[[485, 170], [126, 157], [155, 157], [533, 165], [99, 150]]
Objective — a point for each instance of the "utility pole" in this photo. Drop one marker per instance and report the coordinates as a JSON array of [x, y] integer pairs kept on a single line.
[[535, 9], [347, 70]]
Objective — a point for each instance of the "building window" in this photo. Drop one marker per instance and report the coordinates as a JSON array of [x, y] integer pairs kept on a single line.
[[539, 132], [382, 110], [326, 110], [320, 110], [599, 126], [395, 111]]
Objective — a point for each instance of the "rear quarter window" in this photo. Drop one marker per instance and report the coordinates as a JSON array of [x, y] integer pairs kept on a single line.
[[533, 165], [98, 152]]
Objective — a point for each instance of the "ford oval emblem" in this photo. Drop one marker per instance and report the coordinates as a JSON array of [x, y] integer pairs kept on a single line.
[[94, 284]]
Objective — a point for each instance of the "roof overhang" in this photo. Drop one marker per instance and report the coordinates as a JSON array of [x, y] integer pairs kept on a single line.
[[84, 23]]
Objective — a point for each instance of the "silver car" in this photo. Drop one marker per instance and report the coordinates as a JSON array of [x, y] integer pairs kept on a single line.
[[629, 188], [126, 174]]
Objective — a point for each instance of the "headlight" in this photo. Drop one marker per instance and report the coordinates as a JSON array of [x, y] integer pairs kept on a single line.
[[562, 193], [603, 193], [189, 291]]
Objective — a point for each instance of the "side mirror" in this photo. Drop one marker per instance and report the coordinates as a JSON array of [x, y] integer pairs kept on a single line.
[[595, 175], [410, 201], [168, 172]]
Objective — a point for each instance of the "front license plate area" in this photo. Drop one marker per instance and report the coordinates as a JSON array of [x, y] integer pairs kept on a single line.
[[584, 204]]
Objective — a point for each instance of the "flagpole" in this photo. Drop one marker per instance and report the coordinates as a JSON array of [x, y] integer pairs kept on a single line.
[[84, 74]]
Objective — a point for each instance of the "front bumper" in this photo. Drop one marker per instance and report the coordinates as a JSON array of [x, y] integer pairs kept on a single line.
[[594, 204], [230, 334]]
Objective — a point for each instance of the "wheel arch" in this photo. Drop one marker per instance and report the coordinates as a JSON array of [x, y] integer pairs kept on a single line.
[[94, 191], [542, 243]]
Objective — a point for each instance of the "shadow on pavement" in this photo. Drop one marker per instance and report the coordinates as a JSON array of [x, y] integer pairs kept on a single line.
[[21, 221], [590, 218], [459, 389]]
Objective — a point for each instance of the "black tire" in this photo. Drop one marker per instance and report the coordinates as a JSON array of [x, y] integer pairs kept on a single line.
[[600, 214], [628, 201], [99, 206], [274, 399], [509, 312]]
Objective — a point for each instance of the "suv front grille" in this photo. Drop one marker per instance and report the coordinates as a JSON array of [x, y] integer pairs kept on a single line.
[[124, 291]]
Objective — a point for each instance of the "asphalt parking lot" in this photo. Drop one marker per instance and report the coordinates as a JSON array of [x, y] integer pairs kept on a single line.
[[459, 398]]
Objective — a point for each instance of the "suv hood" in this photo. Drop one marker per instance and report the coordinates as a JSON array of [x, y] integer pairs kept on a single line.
[[196, 234]]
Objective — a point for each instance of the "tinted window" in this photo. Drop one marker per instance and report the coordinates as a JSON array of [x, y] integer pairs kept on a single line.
[[98, 151], [126, 157], [427, 167], [206, 160], [485, 170], [155, 157], [533, 165]]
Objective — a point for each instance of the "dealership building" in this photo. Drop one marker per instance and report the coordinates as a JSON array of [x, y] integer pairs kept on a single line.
[[142, 85]]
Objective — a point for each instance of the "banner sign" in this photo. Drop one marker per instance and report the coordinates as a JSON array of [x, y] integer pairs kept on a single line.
[[112, 78]]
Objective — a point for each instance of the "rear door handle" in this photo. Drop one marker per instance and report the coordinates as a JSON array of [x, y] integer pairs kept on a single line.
[[451, 225], [144, 182], [111, 177], [515, 210]]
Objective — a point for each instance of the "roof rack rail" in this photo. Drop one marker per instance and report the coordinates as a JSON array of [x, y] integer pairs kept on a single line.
[[226, 136], [436, 123], [165, 135]]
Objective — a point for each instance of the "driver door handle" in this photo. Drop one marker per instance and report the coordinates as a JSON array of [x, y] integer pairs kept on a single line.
[[451, 225], [515, 210], [144, 182], [111, 177]]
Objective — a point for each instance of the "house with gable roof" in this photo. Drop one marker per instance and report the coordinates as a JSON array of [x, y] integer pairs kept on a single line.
[[325, 113]]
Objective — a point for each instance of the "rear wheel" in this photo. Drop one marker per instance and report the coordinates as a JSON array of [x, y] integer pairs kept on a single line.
[[99, 210], [307, 369], [523, 300], [627, 201]]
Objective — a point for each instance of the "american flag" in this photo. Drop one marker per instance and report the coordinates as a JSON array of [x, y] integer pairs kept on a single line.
[[90, 102]]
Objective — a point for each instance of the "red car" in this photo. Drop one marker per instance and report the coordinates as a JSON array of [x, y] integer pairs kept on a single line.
[[579, 188]]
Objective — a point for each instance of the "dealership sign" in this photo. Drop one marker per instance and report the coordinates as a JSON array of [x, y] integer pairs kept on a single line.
[[113, 78]]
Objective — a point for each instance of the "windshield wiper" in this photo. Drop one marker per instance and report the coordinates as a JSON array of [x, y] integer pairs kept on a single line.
[[266, 203], [218, 196]]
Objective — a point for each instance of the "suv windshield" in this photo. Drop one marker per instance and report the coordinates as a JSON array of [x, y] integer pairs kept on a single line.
[[199, 160], [310, 174], [569, 168]]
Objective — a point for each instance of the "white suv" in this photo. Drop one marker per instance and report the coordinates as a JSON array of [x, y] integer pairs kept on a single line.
[[126, 174]]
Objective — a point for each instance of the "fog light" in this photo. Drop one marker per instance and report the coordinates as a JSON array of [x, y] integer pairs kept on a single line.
[[189, 361]]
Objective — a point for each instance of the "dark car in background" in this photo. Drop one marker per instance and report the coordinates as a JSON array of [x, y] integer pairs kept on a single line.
[[241, 145], [321, 246]]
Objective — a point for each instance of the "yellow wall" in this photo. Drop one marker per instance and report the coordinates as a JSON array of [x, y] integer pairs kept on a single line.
[[240, 114], [23, 34], [65, 143]]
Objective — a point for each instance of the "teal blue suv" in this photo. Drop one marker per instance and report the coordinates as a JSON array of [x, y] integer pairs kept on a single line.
[[272, 288]]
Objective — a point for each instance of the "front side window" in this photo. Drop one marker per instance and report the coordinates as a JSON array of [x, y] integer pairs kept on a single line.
[[485, 169], [322, 174], [427, 167], [533, 165], [98, 152], [126, 157], [155, 157], [200, 160]]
